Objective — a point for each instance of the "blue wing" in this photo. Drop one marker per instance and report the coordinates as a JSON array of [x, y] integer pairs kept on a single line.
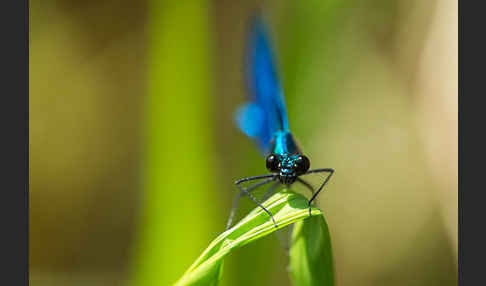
[[266, 113]]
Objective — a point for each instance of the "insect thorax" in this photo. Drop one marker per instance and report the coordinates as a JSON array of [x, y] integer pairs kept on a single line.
[[283, 142]]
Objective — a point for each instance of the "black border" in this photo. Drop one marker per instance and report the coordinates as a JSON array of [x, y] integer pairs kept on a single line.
[[14, 118], [471, 117]]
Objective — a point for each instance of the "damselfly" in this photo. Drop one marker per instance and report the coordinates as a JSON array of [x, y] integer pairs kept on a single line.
[[264, 119]]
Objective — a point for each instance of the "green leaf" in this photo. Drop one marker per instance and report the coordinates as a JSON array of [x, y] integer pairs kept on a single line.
[[311, 260], [287, 207]]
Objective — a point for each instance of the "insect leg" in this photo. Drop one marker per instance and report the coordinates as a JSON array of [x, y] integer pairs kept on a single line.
[[330, 171], [255, 178], [238, 182], [270, 191], [238, 196], [305, 183]]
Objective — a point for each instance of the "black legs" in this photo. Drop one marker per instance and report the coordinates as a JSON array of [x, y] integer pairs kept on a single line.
[[268, 179], [330, 171]]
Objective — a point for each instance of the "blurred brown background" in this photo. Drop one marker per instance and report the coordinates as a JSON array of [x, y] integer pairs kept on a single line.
[[371, 89]]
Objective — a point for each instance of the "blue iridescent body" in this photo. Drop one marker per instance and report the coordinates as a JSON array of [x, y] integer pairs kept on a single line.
[[264, 119]]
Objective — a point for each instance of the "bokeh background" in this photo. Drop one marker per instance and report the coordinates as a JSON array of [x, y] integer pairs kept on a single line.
[[134, 151]]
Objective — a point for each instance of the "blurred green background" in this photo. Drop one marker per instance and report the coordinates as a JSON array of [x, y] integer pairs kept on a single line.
[[134, 151]]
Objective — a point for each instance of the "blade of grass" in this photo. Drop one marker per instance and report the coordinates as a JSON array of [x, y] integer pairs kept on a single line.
[[311, 253], [176, 221], [287, 207]]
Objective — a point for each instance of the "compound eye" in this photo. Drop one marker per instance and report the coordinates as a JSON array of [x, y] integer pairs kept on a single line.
[[272, 163], [302, 164]]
